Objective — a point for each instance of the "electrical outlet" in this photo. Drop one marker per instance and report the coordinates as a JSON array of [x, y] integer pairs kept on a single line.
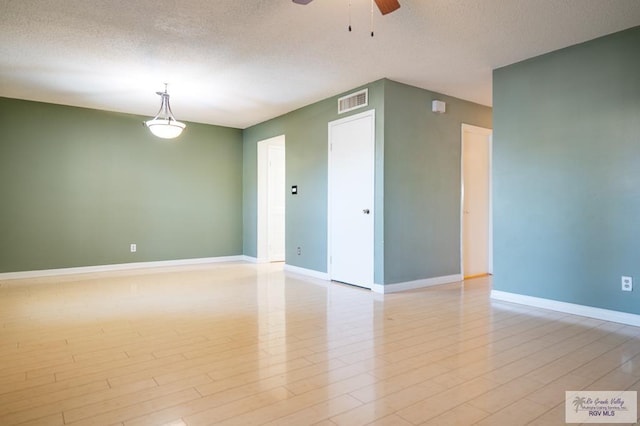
[[299, 251], [627, 283], [133, 248]]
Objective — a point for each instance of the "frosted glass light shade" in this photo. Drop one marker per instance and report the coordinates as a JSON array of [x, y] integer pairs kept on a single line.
[[165, 129]]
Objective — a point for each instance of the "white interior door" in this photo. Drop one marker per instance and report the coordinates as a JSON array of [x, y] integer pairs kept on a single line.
[[271, 200], [275, 203], [476, 201], [351, 199]]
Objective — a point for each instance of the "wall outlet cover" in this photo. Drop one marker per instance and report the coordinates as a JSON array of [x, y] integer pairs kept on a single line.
[[627, 283]]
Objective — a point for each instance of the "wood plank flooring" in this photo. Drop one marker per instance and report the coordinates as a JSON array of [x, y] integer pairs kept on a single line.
[[242, 344]]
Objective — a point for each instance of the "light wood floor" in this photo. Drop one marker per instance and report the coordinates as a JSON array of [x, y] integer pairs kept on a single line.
[[245, 344]]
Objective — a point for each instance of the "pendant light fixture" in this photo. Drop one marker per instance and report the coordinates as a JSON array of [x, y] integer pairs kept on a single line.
[[164, 125]]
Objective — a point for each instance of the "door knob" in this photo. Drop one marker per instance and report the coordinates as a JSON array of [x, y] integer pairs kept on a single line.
[[365, 211]]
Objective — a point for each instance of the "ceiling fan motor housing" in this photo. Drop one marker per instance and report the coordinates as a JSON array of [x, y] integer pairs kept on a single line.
[[385, 6]]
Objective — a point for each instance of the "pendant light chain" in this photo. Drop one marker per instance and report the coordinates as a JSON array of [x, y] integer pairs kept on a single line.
[[372, 26], [371, 18]]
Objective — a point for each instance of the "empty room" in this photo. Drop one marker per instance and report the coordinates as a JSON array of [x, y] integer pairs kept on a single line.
[[319, 212]]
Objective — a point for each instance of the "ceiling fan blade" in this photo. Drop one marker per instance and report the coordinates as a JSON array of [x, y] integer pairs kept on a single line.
[[302, 1], [387, 6]]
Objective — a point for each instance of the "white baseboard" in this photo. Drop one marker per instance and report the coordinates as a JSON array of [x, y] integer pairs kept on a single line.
[[256, 260], [412, 285], [306, 272], [116, 267], [568, 308], [380, 288]]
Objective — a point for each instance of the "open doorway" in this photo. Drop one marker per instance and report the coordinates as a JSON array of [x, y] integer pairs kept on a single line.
[[476, 216], [271, 200]]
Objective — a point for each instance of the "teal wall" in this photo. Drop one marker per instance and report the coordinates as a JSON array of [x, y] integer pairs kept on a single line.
[[566, 175], [77, 186], [306, 136], [417, 186], [422, 152]]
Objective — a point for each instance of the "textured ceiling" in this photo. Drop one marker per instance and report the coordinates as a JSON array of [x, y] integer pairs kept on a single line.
[[240, 62]]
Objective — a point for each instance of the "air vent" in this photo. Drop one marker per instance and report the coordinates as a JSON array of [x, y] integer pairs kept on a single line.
[[353, 101]]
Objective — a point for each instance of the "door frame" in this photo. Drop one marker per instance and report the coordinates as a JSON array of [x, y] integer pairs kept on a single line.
[[369, 113], [485, 132], [262, 234]]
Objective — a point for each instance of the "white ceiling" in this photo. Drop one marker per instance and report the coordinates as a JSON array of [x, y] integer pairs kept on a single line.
[[240, 62]]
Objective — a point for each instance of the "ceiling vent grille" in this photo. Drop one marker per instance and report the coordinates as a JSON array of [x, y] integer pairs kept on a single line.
[[353, 101]]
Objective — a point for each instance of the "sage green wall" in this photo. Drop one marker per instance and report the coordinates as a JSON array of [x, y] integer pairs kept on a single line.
[[417, 188], [566, 174], [306, 138], [422, 152], [77, 186]]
